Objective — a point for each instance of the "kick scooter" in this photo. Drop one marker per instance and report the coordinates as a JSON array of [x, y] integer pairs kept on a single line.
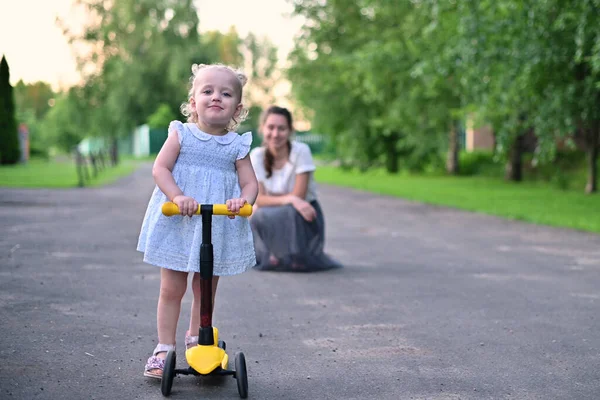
[[209, 356]]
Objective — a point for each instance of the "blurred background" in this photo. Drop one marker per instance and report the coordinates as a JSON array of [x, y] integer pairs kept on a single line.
[[492, 106]]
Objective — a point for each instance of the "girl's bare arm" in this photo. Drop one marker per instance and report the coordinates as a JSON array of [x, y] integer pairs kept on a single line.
[[247, 178], [163, 167]]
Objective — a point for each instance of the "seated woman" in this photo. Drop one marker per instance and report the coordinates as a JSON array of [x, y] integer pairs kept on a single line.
[[287, 222]]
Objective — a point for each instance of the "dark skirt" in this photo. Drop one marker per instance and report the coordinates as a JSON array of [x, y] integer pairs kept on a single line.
[[284, 241]]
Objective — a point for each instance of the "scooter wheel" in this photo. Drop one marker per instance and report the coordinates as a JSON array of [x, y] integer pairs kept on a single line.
[[222, 344], [241, 375], [168, 373]]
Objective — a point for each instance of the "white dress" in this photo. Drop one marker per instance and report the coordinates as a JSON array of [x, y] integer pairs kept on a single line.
[[204, 170]]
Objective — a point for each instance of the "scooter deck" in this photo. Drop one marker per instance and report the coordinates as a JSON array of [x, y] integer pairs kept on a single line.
[[206, 359]]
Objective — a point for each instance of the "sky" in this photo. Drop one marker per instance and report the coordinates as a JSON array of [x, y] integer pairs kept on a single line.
[[36, 49]]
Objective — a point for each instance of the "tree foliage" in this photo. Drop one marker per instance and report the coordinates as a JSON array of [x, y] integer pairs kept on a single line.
[[392, 79], [10, 152], [535, 68], [135, 55], [64, 126], [161, 117], [135, 58], [260, 60], [36, 97], [383, 63]]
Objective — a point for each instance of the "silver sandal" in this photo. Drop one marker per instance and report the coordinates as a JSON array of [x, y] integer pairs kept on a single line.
[[190, 341], [155, 363]]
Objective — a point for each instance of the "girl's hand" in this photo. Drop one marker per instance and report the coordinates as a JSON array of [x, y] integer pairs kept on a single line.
[[307, 211], [187, 205], [234, 205]]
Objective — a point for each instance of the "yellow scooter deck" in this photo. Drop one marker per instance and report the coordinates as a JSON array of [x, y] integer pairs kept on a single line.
[[205, 359]]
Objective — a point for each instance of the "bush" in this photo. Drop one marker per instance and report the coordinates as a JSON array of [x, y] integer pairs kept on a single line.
[[566, 171], [479, 162]]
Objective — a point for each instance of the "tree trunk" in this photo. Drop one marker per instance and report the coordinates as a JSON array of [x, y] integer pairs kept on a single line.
[[592, 153], [114, 151], [452, 167], [391, 153], [514, 165]]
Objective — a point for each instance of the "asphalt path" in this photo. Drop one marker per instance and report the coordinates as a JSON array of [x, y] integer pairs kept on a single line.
[[432, 303]]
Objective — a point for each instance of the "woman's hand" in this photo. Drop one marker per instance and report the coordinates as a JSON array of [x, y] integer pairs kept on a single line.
[[187, 205], [305, 209], [234, 205]]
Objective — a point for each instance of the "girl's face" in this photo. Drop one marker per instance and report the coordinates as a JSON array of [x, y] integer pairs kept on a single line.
[[276, 132], [216, 99]]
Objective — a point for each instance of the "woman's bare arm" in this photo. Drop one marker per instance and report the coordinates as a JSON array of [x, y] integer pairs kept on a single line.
[[299, 192]]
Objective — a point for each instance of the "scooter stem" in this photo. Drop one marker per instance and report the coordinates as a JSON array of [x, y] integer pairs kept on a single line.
[[169, 209], [205, 336]]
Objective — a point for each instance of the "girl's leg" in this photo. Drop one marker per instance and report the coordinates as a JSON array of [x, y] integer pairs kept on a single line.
[[172, 289], [195, 312]]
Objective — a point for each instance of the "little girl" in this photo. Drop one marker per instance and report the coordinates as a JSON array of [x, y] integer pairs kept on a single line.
[[203, 161]]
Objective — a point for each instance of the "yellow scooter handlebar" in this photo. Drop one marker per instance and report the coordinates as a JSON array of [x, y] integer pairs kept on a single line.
[[169, 209]]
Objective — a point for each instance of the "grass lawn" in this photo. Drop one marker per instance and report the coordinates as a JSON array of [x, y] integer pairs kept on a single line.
[[536, 202], [58, 174]]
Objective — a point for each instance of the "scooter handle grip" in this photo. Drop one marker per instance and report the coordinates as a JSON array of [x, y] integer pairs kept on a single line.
[[169, 209]]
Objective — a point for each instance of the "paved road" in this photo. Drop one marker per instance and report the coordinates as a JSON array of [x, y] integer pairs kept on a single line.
[[432, 304]]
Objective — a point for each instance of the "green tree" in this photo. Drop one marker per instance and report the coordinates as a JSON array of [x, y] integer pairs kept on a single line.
[[535, 66], [32, 104], [137, 56], [264, 75], [63, 126], [439, 96], [223, 47], [9, 135], [161, 117], [36, 97], [370, 71], [327, 80]]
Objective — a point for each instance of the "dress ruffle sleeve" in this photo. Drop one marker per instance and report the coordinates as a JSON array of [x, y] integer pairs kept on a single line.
[[176, 126], [244, 145]]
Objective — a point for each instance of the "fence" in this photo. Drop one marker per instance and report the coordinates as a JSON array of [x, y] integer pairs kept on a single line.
[[89, 165]]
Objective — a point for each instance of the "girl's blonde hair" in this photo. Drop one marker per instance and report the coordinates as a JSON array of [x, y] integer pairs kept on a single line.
[[188, 110]]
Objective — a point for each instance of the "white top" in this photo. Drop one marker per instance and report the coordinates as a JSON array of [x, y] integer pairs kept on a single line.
[[282, 180]]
